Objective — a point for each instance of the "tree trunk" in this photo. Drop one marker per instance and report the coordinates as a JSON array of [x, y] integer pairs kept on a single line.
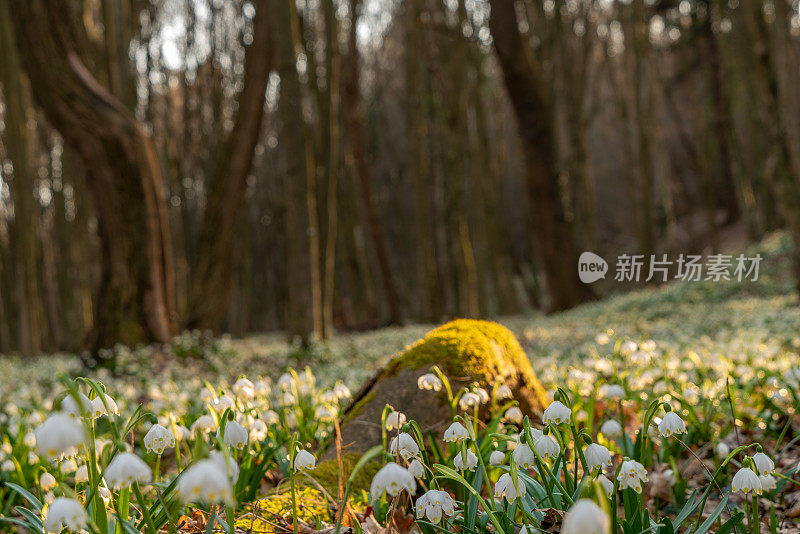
[[216, 254], [552, 235], [133, 301]]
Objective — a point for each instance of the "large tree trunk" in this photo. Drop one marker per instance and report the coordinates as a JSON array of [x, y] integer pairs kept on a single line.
[[133, 303], [553, 237], [216, 253]]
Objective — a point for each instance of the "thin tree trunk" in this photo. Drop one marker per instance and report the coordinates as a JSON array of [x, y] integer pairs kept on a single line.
[[123, 175], [553, 237]]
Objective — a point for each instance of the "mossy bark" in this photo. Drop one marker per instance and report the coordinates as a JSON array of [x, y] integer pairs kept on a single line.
[[467, 351]]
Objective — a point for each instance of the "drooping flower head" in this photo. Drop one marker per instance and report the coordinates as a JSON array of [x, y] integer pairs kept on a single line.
[[557, 413], [404, 445], [505, 488], [631, 475], [65, 513], [586, 517], [455, 433], [433, 504], [125, 469], [59, 435], [392, 479], [158, 438], [205, 481]]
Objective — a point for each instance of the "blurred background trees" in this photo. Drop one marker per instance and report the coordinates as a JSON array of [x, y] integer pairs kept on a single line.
[[325, 165]]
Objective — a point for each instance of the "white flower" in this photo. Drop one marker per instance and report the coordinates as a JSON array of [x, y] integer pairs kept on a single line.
[[429, 382], [59, 436], [258, 430], [304, 460], [395, 420], [523, 456], [597, 456], [416, 469], [722, 449], [483, 395], [547, 446], [244, 388], [767, 482], [271, 417], [235, 435], [205, 481], [99, 408], [503, 392], [65, 513], [82, 474], [125, 469], [556, 413], [497, 458], [68, 466], [433, 504], [585, 517], [262, 388], [342, 391], [671, 424], [404, 445], [631, 475], [392, 479], [472, 460], [8, 466], [764, 466], [627, 348], [611, 429], [324, 413], [455, 433], [746, 480], [602, 338], [285, 381], [158, 438], [105, 494], [612, 391], [505, 488], [608, 486], [223, 403], [204, 423], [469, 400], [513, 415], [226, 464], [47, 482], [76, 407]]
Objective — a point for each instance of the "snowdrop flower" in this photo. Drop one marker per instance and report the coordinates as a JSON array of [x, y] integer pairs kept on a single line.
[[556, 413], [244, 388], [158, 438], [226, 464], [204, 423], [608, 486], [304, 460], [469, 400], [764, 466], [105, 494], [505, 488], [429, 382], [324, 413], [722, 449], [746, 480], [82, 474], [392, 479], [404, 445], [455, 433], [612, 391], [59, 435], [47, 482], [523, 456], [631, 475], [271, 417], [258, 430], [671, 424], [767, 482], [342, 391], [513, 415], [76, 407], [205, 481], [585, 517], [125, 469], [597, 456], [223, 403], [472, 461], [395, 420], [8, 466], [602, 339], [68, 466], [627, 347], [99, 408], [416, 469], [262, 388], [547, 447], [235, 435], [433, 504], [49, 498], [483, 395], [285, 381], [65, 513], [503, 392], [611, 429], [497, 457]]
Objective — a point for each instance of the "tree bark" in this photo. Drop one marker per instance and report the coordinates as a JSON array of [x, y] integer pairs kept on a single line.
[[132, 303], [552, 235], [216, 253]]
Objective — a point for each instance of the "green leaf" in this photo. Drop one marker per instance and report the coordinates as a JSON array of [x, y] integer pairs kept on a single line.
[[709, 522]]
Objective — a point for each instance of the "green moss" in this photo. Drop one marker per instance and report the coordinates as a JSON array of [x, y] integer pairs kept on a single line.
[[313, 504], [465, 347]]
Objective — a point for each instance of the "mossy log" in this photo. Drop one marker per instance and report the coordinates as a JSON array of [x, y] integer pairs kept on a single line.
[[467, 351]]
